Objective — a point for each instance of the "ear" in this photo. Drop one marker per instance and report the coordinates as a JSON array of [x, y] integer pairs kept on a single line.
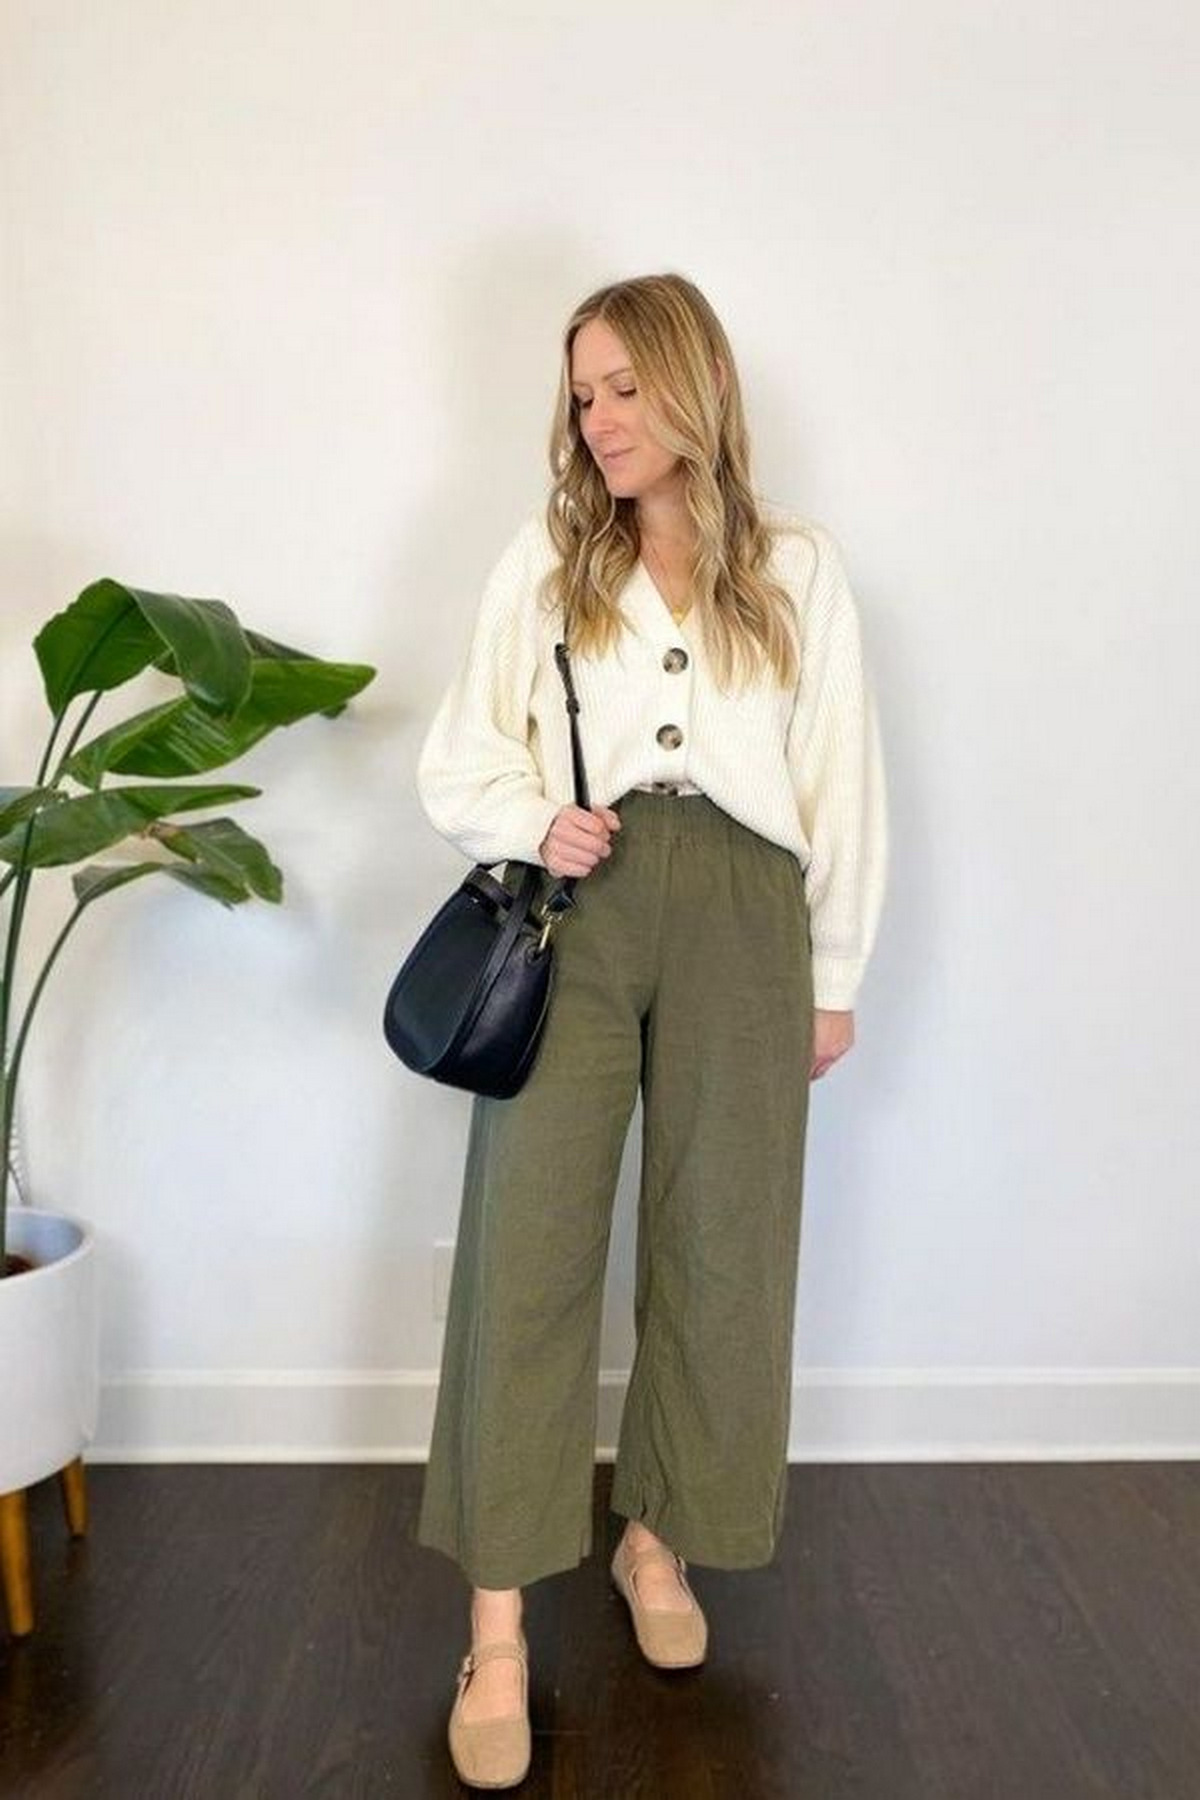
[[720, 375]]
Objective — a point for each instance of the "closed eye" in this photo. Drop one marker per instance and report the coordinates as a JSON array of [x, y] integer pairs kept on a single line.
[[625, 393]]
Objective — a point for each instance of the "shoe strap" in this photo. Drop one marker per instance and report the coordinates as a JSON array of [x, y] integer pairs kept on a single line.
[[496, 1647], [634, 1559]]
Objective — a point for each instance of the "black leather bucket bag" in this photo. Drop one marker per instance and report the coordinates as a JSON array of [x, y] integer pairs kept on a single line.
[[471, 998]]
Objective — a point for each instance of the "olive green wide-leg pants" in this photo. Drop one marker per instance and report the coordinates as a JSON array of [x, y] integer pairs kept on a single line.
[[685, 968]]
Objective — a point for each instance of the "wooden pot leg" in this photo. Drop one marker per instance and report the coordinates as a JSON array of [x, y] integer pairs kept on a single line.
[[74, 1497], [15, 1562]]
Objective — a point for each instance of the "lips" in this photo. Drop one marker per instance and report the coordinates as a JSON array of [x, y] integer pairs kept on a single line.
[[612, 455]]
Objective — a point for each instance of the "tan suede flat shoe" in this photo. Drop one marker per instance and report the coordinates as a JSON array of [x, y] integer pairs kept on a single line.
[[492, 1753], [669, 1640]]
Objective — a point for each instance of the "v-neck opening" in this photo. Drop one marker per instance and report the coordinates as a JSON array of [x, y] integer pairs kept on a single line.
[[676, 624]]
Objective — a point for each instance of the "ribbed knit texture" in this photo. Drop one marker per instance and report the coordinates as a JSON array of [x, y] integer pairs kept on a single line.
[[803, 767]]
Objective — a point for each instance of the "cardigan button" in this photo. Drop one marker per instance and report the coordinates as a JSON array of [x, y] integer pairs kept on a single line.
[[674, 660], [669, 736]]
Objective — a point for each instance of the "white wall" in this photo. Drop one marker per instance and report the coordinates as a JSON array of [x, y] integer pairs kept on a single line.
[[280, 304]]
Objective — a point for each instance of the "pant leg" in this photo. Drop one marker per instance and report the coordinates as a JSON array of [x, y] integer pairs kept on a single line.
[[508, 1487], [702, 1452]]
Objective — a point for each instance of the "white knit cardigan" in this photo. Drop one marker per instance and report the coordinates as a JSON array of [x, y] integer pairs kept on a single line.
[[801, 766]]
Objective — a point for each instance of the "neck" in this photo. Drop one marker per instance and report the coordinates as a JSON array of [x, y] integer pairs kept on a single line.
[[664, 522]]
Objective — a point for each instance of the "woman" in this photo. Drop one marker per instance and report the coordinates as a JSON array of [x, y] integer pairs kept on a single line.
[[732, 869]]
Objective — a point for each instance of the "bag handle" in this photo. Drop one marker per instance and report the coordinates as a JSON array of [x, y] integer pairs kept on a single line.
[[561, 896]]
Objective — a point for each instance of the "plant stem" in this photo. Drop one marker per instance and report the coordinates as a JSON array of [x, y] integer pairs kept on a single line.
[[8, 1083], [39, 984], [22, 874]]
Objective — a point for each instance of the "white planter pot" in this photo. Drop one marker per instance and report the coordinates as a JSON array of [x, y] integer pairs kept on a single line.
[[49, 1346]]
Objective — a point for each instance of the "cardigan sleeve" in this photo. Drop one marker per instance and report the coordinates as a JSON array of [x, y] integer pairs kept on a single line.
[[477, 778], [836, 763]]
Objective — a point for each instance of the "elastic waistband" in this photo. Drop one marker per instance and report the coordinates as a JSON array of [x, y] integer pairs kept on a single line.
[[681, 788], [663, 816], [664, 810]]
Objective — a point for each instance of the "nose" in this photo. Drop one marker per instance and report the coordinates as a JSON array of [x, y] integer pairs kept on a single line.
[[598, 422]]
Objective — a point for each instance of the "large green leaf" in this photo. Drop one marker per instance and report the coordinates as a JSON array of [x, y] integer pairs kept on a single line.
[[181, 738], [112, 631], [266, 647], [222, 847], [100, 878], [89, 822], [16, 804]]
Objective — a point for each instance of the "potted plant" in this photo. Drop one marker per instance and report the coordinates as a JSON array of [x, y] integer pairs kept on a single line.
[[235, 686]]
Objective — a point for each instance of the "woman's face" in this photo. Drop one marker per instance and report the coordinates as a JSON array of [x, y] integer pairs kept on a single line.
[[611, 419]]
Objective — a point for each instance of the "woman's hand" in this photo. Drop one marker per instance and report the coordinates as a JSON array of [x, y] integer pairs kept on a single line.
[[578, 839], [833, 1034]]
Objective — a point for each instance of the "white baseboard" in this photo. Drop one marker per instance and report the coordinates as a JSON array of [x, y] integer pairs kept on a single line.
[[838, 1415]]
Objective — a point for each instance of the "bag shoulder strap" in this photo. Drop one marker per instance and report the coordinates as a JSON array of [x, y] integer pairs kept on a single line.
[[561, 895], [580, 773]]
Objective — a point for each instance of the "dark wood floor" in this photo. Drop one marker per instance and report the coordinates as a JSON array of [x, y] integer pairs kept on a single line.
[[973, 1632]]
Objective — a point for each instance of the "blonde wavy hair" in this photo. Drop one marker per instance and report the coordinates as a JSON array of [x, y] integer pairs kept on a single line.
[[675, 343]]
